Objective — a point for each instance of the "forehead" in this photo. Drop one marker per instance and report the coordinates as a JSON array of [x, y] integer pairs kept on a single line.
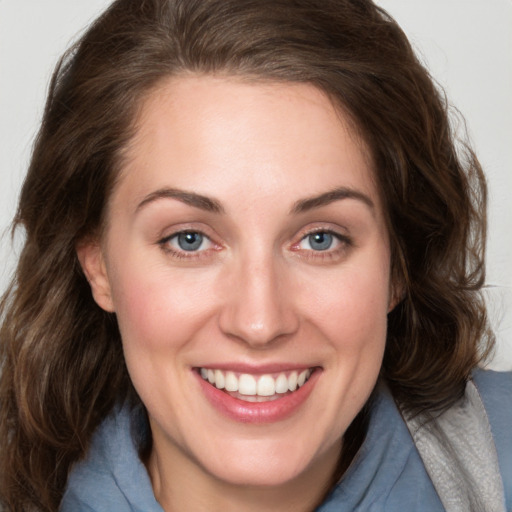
[[220, 134]]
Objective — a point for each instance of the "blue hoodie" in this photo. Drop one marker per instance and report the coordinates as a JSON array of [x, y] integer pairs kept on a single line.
[[387, 473]]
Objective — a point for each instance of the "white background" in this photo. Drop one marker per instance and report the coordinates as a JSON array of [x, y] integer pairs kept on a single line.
[[467, 45]]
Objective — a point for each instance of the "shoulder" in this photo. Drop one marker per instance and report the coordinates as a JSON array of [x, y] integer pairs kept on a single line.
[[390, 470], [112, 477], [494, 387], [387, 474], [495, 390]]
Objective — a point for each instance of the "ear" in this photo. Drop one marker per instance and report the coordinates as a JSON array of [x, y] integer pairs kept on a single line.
[[92, 261]]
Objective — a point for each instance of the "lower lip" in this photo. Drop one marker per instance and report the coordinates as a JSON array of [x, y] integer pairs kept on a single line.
[[258, 412]]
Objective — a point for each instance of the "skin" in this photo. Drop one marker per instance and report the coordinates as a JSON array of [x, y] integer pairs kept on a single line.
[[256, 292]]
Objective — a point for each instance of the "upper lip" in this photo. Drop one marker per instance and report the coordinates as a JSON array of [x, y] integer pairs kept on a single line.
[[257, 369]]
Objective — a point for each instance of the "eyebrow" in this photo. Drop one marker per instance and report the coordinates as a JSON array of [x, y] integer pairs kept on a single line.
[[212, 205], [190, 198], [310, 203]]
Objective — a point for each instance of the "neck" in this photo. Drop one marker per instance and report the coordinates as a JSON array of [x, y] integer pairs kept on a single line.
[[185, 485]]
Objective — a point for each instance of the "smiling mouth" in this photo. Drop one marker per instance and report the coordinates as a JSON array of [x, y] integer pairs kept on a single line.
[[256, 388]]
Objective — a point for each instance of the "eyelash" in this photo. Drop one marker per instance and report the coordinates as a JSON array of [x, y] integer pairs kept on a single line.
[[344, 243], [182, 254]]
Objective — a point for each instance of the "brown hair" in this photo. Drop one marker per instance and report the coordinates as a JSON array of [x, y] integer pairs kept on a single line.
[[62, 365]]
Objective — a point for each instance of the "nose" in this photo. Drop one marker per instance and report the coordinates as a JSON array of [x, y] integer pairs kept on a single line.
[[259, 305]]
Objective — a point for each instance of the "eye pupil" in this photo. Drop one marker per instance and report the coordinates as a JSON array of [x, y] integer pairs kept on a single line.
[[320, 241], [190, 241]]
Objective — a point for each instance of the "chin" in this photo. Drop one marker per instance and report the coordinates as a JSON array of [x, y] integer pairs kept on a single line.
[[263, 464]]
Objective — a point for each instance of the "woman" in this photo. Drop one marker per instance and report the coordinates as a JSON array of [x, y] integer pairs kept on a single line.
[[251, 274]]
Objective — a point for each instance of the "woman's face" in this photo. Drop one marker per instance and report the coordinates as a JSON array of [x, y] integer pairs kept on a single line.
[[246, 244]]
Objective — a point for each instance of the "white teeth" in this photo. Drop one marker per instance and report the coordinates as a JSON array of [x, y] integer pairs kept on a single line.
[[247, 384], [266, 386], [281, 384], [250, 385], [220, 382], [292, 381], [231, 382]]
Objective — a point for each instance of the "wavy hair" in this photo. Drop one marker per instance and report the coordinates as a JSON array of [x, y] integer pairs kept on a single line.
[[62, 368]]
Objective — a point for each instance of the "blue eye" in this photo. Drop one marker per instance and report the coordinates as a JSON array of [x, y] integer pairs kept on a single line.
[[320, 241], [189, 240], [186, 242], [188, 245]]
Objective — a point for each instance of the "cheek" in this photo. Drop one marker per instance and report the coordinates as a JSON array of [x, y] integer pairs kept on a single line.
[[156, 309], [159, 315], [352, 305]]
